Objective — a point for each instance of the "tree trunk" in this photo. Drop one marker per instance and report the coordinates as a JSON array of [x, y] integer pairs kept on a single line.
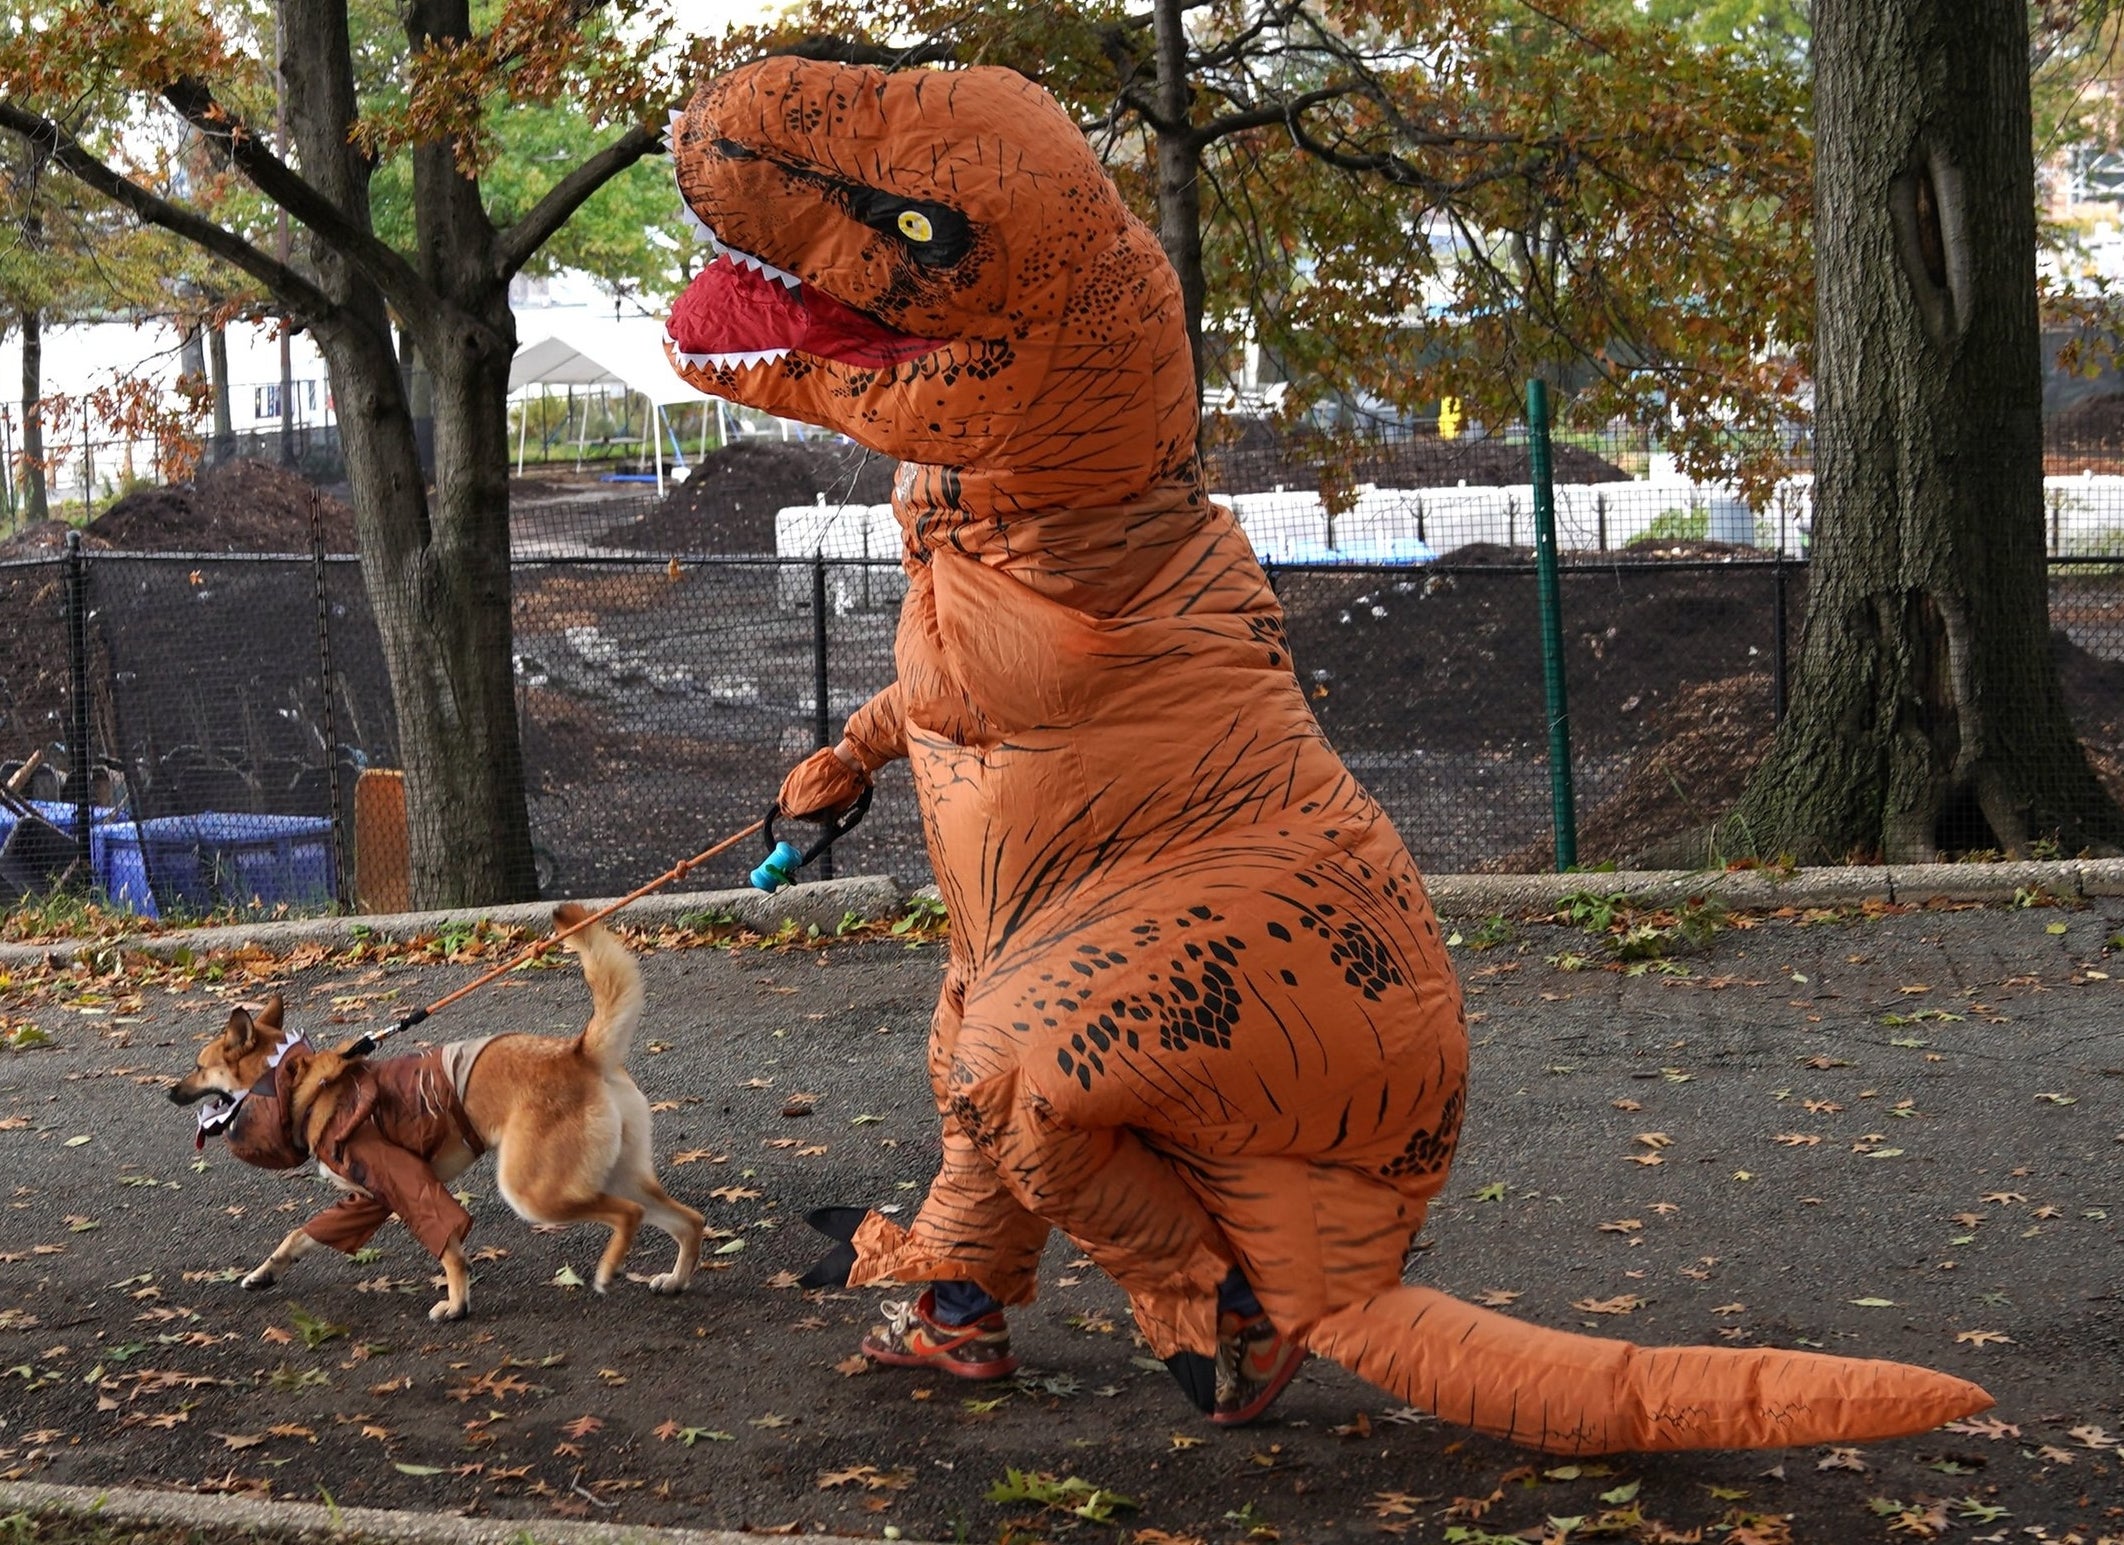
[[1179, 169], [34, 507], [223, 445], [1926, 705], [437, 569], [438, 577]]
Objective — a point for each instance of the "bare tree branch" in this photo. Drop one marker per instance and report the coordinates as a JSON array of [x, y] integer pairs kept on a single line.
[[301, 296], [385, 268], [514, 247]]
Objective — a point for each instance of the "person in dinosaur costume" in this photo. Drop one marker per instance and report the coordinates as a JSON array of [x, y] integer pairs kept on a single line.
[[1197, 1013]]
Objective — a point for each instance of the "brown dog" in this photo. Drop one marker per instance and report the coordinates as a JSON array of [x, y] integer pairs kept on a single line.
[[570, 1129]]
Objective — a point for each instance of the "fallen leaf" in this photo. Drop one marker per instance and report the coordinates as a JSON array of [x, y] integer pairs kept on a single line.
[[1841, 1459], [1496, 1298], [854, 1364], [1873, 1303], [240, 1440], [1985, 1427], [582, 1426], [1624, 1303], [1622, 1226], [1978, 1338]]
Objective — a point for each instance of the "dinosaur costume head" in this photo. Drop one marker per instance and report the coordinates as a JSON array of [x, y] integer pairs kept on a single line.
[[935, 265]]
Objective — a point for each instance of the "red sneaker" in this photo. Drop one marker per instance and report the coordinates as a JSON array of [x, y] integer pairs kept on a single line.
[[911, 1337], [1254, 1363]]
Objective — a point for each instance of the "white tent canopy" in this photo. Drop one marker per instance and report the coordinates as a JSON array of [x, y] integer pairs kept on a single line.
[[627, 352]]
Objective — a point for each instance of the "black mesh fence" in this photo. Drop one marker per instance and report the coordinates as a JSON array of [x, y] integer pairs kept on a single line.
[[242, 747]]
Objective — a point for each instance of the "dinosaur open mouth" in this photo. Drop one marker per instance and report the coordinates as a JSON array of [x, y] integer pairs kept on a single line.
[[741, 310]]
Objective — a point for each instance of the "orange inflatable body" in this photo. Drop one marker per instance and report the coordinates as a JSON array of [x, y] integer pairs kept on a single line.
[[1198, 1012]]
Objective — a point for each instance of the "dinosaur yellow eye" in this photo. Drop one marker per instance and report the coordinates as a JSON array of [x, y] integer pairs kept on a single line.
[[914, 225]]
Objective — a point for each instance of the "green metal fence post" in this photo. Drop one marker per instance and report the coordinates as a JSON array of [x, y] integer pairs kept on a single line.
[[1552, 665]]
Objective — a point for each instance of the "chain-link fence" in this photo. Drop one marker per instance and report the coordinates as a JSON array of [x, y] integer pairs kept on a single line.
[[668, 670]]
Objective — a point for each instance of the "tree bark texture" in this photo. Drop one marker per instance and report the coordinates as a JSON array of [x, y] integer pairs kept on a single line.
[[1179, 170], [1926, 706], [436, 564], [222, 445], [34, 506]]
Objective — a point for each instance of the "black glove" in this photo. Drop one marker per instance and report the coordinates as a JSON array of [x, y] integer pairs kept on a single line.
[[831, 1269]]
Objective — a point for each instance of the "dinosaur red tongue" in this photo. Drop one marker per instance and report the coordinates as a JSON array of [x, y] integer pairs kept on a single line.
[[730, 309]]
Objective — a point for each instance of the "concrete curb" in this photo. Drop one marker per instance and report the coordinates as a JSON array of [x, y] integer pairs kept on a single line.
[[223, 1516], [822, 904], [1750, 890], [825, 903]]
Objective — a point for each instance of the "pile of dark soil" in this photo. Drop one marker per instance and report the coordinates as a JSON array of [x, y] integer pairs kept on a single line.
[[237, 507], [1707, 743], [1448, 658], [728, 501], [1667, 667], [1261, 457], [2092, 421]]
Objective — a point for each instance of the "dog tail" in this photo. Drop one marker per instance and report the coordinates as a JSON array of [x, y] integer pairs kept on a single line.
[[615, 989]]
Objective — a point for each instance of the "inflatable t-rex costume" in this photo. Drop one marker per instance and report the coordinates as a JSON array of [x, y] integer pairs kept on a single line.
[[1197, 1011]]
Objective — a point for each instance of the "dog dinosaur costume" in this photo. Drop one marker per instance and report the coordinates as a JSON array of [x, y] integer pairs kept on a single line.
[[1197, 1011]]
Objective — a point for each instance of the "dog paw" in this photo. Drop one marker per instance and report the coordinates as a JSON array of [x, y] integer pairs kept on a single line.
[[263, 1277], [668, 1282], [448, 1311]]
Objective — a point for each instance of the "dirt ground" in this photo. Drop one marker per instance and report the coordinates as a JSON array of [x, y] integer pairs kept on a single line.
[[727, 503], [1667, 669], [1888, 1132], [238, 507]]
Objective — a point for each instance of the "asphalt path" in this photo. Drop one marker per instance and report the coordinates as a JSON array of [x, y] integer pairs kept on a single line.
[[1894, 1133]]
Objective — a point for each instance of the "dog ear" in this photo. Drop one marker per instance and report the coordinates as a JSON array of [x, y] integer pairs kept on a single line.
[[269, 1016], [241, 1031]]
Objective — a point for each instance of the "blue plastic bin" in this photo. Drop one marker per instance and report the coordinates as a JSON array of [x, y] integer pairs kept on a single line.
[[200, 862]]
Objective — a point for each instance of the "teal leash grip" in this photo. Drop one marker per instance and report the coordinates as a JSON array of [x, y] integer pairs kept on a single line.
[[779, 868], [784, 859]]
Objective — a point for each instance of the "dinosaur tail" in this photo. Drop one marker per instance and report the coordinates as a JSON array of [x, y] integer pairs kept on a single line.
[[1570, 1394]]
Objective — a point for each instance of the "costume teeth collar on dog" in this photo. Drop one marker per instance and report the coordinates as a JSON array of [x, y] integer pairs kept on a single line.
[[220, 1107]]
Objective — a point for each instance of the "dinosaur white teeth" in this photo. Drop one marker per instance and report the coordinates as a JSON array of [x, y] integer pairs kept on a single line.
[[789, 281], [750, 357], [695, 223]]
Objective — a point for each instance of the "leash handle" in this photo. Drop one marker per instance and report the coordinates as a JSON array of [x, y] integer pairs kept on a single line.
[[784, 858], [366, 1043]]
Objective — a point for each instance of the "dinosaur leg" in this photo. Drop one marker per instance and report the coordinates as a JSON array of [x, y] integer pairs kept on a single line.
[[1571, 1394], [971, 1229]]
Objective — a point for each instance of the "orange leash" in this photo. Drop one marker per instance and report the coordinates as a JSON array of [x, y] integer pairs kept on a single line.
[[366, 1044]]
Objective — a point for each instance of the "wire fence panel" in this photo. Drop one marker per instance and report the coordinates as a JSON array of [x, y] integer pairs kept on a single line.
[[243, 749]]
